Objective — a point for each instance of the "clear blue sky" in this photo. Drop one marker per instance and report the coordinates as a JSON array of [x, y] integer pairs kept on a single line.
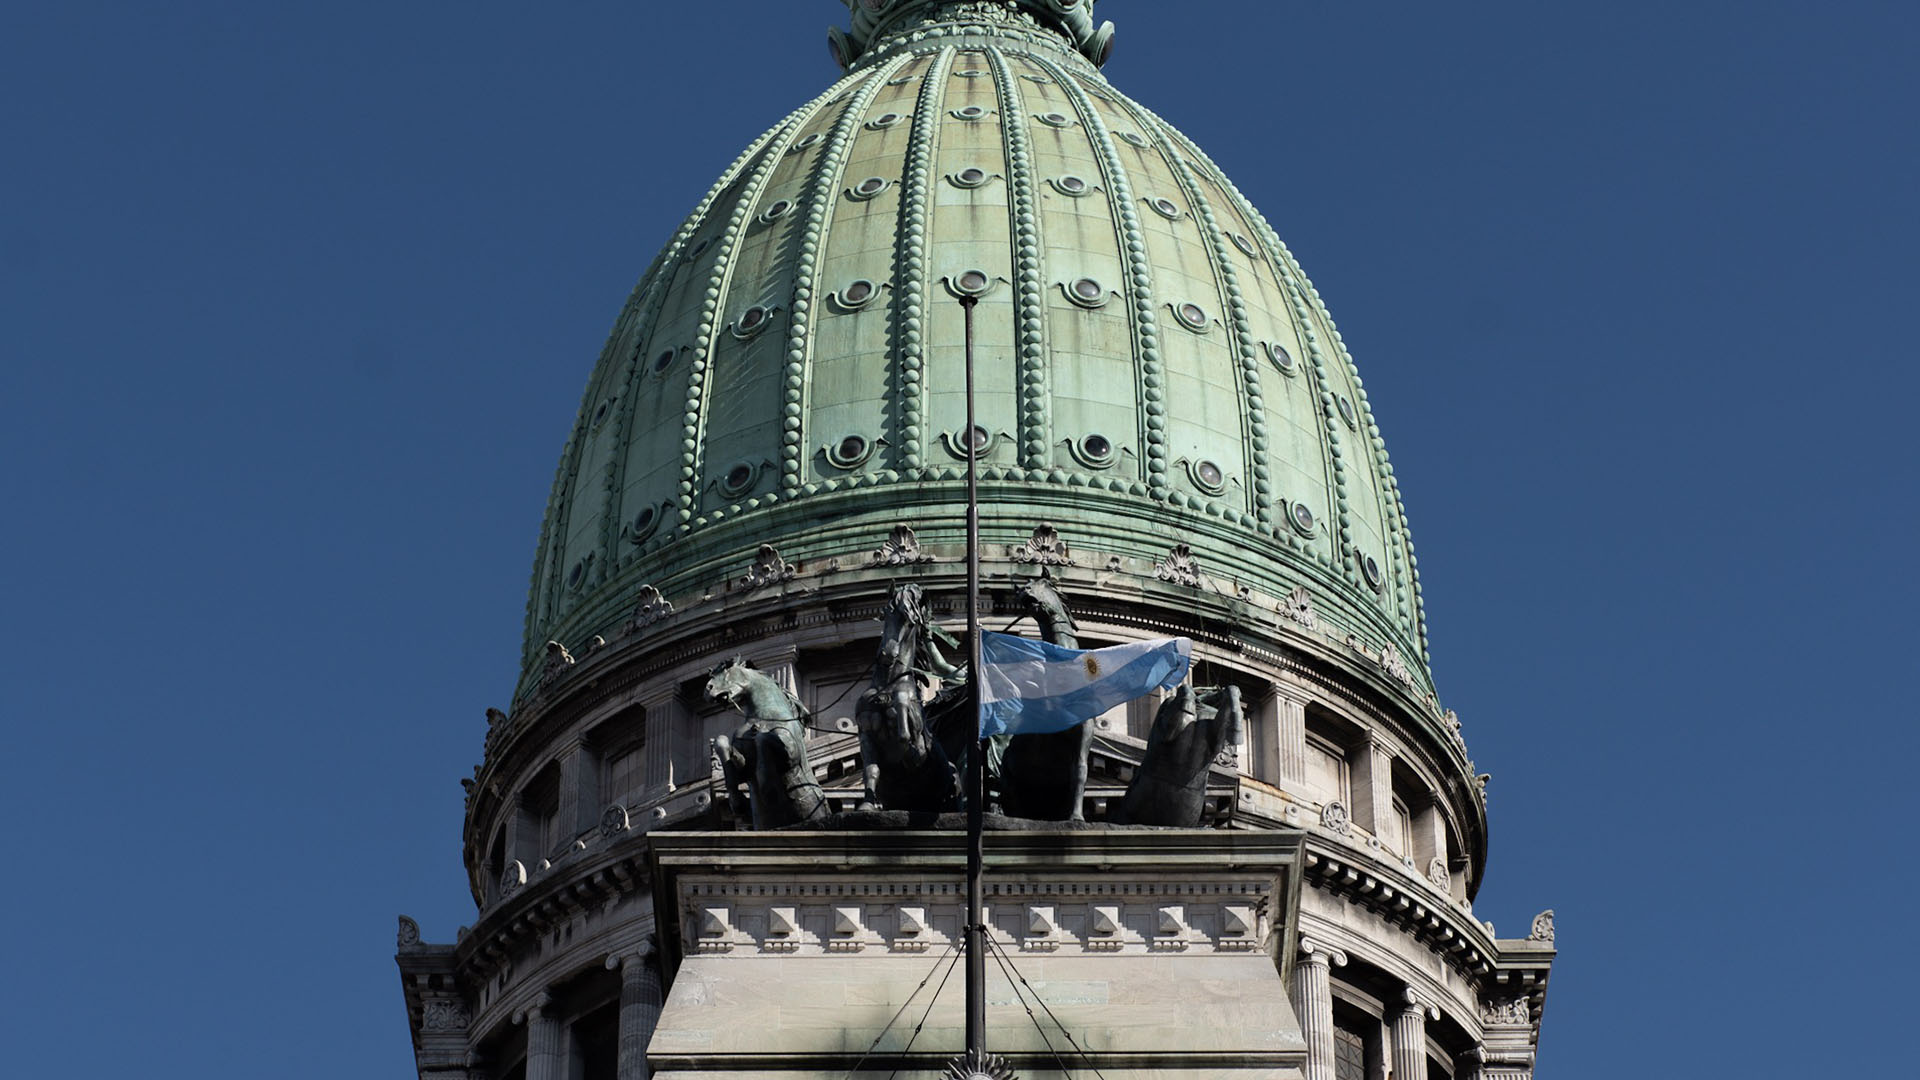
[[297, 302]]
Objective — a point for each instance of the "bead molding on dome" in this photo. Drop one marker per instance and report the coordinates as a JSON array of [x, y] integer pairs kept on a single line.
[[875, 20]]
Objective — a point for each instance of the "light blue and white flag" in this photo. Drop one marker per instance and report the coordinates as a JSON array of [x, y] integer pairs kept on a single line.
[[1029, 687]]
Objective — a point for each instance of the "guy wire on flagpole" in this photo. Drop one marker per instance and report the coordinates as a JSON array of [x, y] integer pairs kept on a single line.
[[977, 764]]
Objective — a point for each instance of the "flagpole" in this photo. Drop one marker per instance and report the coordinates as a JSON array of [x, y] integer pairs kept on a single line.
[[976, 930]]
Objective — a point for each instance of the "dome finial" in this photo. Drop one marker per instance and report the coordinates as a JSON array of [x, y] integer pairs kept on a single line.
[[874, 19]]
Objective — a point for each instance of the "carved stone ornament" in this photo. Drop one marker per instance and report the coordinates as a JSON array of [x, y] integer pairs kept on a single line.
[[409, 933], [651, 608], [444, 1014], [1512, 1011], [1334, 816], [1298, 608], [768, 569], [1542, 927], [1178, 567], [1044, 548], [615, 820], [512, 878], [495, 718], [1394, 666], [1437, 873], [558, 661], [901, 548]]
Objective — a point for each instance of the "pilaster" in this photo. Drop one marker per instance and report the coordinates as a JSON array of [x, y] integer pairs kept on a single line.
[[579, 789], [1286, 726], [1373, 786]]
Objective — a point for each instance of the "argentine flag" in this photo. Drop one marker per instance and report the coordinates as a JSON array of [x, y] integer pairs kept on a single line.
[[1029, 687]]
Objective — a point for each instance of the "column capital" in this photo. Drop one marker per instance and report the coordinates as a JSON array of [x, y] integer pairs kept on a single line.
[[1320, 954], [1286, 691], [534, 1009], [1418, 1003], [640, 955]]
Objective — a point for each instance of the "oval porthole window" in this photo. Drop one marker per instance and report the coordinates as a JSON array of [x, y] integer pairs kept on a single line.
[[1301, 517], [1133, 139], [752, 321], [1087, 292], [600, 414], [700, 248], [1053, 119], [1370, 570], [664, 361], [970, 73], [868, 188], [642, 524], [970, 178], [885, 120], [902, 80], [777, 210], [1346, 411], [857, 293], [738, 479], [1038, 80], [1072, 185], [1096, 450], [972, 282], [1282, 359], [971, 112], [1165, 208], [1240, 241], [1192, 316], [977, 441], [577, 575], [849, 451], [807, 143], [1207, 474]]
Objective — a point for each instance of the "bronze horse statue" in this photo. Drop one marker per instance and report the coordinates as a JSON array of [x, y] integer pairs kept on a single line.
[[1189, 730], [768, 753], [1045, 776], [904, 766]]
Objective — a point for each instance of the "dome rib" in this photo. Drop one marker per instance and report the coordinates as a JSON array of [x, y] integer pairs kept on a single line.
[[1029, 315], [908, 377], [829, 171], [714, 310], [1140, 301], [1239, 327], [1294, 279], [549, 565]]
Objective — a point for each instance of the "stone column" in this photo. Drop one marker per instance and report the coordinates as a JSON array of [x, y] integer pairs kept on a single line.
[[1409, 1037], [1313, 991], [640, 1001], [546, 1057], [1288, 729], [1471, 1065]]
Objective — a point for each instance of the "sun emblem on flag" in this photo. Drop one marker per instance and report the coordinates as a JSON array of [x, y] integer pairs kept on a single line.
[[1092, 666]]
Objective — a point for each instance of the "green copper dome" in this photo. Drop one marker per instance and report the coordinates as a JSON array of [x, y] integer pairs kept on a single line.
[[1154, 368]]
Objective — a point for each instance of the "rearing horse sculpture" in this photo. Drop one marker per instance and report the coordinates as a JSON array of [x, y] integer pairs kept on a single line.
[[768, 753], [903, 766], [1170, 787], [1045, 776]]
